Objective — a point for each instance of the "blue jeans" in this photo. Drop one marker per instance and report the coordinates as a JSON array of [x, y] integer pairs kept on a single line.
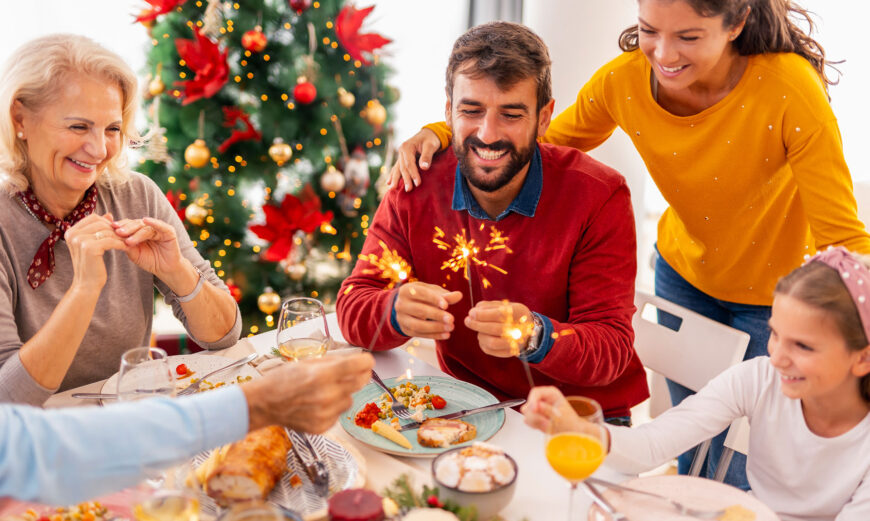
[[749, 318]]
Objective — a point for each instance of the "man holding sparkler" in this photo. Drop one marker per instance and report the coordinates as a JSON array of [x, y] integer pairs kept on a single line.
[[542, 283]]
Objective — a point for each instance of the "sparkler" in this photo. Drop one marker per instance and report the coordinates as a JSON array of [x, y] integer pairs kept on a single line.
[[517, 333], [391, 266], [464, 252]]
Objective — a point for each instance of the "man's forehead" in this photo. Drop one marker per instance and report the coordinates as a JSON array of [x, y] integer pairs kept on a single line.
[[483, 89]]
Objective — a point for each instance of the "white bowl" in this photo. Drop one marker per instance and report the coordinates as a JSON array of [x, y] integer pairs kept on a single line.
[[488, 503]]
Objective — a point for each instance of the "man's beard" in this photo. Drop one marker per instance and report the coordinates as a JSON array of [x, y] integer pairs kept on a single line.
[[481, 180]]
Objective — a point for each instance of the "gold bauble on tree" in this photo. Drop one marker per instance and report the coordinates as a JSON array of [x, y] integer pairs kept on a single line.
[[195, 214], [295, 270], [197, 154], [345, 98], [156, 86], [375, 113], [280, 152], [269, 301], [332, 180]]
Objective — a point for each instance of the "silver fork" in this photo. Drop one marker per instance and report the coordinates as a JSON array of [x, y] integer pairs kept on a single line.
[[321, 473], [194, 386], [398, 407], [681, 508]]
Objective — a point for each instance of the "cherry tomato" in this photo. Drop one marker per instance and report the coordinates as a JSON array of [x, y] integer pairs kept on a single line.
[[438, 402], [181, 369]]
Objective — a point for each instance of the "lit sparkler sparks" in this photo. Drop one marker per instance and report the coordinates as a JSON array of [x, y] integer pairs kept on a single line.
[[391, 266], [517, 333], [464, 252]]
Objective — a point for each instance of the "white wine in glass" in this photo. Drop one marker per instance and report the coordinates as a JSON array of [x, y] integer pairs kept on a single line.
[[168, 505], [302, 329], [576, 446]]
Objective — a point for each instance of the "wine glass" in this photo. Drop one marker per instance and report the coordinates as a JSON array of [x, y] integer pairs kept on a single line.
[[576, 446], [168, 505], [302, 329], [253, 511], [145, 373]]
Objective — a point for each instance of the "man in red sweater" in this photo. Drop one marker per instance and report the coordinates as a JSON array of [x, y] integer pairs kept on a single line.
[[552, 232]]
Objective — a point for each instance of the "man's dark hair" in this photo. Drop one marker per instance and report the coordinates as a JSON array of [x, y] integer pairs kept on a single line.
[[505, 52]]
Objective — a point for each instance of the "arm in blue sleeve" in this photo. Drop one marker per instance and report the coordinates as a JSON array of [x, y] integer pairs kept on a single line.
[[546, 342], [64, 456], [394, 321]]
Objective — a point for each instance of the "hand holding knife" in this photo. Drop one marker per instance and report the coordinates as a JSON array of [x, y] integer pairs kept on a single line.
[[466, 412]]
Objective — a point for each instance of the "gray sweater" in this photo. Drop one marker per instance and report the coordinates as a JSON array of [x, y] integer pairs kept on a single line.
[[122, 318]]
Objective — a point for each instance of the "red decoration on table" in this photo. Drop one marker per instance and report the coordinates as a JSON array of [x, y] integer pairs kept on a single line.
[[206, 60], [356, 504], [175, 200], [233, 115], [254, 40], [304, 92], [295, 213], [300, 5], [158, 7], [434, 502], [347, 26]]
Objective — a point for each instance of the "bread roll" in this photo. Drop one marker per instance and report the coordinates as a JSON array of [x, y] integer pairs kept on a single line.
[[251, 467]]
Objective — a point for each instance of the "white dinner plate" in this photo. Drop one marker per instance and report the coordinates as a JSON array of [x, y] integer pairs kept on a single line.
[[201, 365], [693, 492]]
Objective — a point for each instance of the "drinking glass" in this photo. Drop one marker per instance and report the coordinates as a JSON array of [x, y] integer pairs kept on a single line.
[[302, 329], [145, 373], [253, 511], [575, 449], [168, 505]]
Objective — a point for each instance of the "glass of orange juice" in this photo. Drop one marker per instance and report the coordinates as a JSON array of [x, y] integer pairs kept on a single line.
[[576, 445]]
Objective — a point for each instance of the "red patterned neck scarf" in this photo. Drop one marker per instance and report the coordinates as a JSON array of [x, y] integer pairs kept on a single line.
[[43, 262]]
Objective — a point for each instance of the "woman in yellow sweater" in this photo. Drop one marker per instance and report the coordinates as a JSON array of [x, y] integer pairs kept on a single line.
[[726, 102]]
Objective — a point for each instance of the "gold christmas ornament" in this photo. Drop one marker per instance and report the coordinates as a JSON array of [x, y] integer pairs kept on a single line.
[[156, 86], [295, 270], [332, 180], [280, 152], [269, 301], [345, 98], [375, 113], [197, 154], [195, 214]]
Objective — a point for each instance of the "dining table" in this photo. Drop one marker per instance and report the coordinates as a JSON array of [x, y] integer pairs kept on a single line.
[[540, 495]]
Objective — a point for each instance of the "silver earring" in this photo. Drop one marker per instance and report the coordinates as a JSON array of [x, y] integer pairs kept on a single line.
[[20, 135]]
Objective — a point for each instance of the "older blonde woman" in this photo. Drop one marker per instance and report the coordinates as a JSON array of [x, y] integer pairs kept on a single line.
[[84, 239]]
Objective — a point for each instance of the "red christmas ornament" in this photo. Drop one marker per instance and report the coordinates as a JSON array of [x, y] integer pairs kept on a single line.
[[300, 5], [235, 291], [304, 92], [175, 200], [233, 115], [295, 213], [158, 7], [347, 26], [254, 40], [204, 58]]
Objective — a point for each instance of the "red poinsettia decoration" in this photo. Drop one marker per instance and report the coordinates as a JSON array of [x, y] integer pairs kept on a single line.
[[347, 26], [175, 201], [295, 213], [158, 7], [206, 60], [233, 115]]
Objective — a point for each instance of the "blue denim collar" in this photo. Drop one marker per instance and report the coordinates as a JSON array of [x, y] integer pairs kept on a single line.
[[525, 203]]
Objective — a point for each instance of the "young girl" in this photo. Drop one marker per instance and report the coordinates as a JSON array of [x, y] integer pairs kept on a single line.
[[808, 403]]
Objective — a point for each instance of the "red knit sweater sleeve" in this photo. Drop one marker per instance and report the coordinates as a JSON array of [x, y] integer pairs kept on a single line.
[[364, 298], [595, 345]]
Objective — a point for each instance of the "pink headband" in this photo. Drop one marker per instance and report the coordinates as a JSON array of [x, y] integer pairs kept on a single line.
[[854, 275]]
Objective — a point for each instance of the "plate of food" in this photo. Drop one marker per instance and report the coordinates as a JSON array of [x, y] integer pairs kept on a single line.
[[370, 419], [693, 492], [187, 368], [263, 465]]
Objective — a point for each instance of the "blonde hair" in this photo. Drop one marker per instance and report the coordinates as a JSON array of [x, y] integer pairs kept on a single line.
[[33, 76]]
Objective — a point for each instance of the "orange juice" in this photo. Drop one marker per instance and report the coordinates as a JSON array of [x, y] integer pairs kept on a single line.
[[574, 456]]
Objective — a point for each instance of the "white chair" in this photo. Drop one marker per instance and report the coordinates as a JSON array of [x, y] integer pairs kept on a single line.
[[692, 355], [737, 440]]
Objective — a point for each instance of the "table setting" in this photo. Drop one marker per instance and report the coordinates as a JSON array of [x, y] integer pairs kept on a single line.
[[324, 469]]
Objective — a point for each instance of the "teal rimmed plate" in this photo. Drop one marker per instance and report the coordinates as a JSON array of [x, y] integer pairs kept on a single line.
[[458, 394]]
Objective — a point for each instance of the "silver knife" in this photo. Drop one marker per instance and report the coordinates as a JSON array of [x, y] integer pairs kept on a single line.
[[466, 412], [598, 499]]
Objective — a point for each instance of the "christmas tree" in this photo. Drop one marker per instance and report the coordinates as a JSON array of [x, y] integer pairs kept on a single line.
[[268, 119]]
